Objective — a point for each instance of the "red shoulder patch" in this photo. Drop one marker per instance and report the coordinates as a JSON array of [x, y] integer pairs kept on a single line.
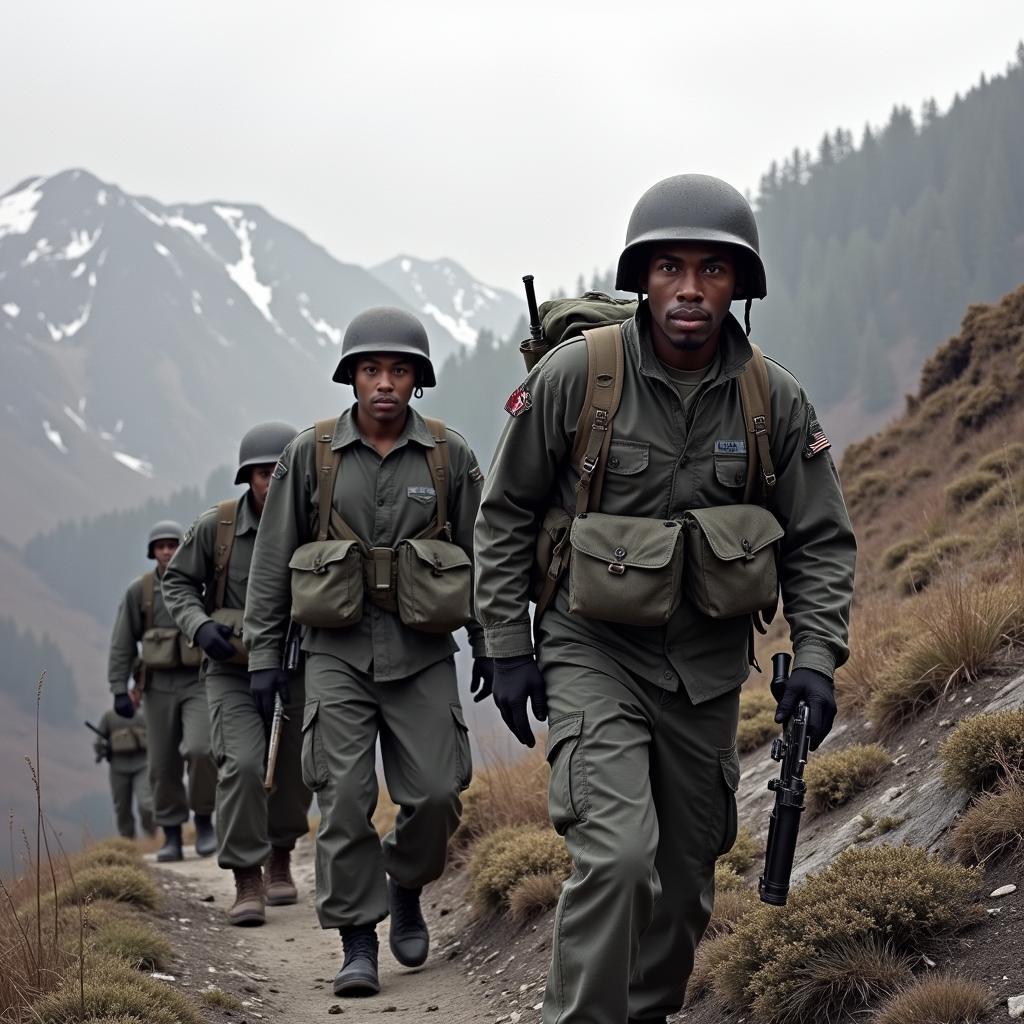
[[519, 401]]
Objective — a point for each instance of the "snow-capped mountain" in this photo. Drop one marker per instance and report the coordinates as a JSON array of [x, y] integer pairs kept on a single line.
[[138, 341], [448, 294]]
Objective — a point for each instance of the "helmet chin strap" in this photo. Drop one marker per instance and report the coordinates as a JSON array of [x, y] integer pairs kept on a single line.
[[746, 315]]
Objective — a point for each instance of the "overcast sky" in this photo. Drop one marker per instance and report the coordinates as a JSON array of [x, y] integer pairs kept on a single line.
[[511, 137]]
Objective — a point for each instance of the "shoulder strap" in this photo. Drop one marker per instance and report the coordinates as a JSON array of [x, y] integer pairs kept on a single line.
[[222, 545], [148, 596], [756, 399], [328, 462], [594, 427], [438, 459]]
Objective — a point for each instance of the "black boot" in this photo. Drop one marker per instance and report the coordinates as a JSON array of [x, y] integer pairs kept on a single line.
[[206, 837], [171, 850], [409, 938], [358, 974]]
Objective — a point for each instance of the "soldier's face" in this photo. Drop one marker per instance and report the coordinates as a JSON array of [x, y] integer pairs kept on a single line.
[[384, 385], [689, 286], [259, 484], [163, 552]]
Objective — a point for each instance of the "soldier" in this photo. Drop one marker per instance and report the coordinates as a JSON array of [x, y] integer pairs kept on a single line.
[[204, 588], [365, 509], [122, 743], [643, 697], [174, 700]]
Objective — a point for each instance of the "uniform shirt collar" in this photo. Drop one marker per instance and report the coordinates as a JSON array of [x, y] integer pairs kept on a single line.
[[346, 431]]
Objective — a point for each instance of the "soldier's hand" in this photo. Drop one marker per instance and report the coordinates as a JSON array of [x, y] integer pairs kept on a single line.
[[804, 684], [265, 684], [515, 681], [481, 683], [123, 705], [215, 639]]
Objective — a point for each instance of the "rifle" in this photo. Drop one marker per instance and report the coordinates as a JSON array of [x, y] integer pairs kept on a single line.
[[108, 753], [536, 330], [289, 663], [789, 789]]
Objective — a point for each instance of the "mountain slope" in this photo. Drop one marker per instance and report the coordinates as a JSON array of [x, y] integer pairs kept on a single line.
[[140, 340]]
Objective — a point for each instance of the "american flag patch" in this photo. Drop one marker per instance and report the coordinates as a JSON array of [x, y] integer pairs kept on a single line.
[[816, 441]]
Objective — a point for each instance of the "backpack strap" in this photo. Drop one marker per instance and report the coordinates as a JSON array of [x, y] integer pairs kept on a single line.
[[222, 545], [328, 462], [594, 427], [439, 461], [756, 399], [148, 596]]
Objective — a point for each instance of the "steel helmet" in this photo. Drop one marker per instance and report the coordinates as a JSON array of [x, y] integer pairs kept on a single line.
[[262, 445], [166, 529], [386, 329], [693, 208]]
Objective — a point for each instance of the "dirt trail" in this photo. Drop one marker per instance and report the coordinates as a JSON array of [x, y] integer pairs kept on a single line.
[[290, 962]]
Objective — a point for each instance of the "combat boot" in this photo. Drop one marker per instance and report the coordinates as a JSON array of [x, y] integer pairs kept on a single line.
[[358, 974], [206, 836], [281, 889], [171, 850], [248, 908], [408, 937]]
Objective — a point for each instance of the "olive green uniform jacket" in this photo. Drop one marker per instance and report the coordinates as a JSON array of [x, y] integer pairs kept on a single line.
[[661, 463], [402, 504]]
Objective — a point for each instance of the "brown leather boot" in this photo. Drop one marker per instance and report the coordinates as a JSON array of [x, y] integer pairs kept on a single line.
[[248, 908], [281, 889]]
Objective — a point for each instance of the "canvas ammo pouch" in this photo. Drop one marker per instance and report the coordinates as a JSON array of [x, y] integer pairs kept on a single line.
[[233, 617], [327, 584], [435, 584], [160, 647], [730, 560], [126, 741], [625, 569], [190, 654]]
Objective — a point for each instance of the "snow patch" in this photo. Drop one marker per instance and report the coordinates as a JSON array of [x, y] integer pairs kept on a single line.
[[78, 271], [162, 249], [140, 466], [61, 331], [243, 273], [179, 223], [101, 197], [92, 280], [18, 209], [196, 306], [406, 266], [458, 329], [321, 326], [75, 418], [81, 242], [53, 436], [12, 309]]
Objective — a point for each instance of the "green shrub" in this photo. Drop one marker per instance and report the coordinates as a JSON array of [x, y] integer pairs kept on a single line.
[[900, 898], [114, 990], [726, 879], [967, 489], [744, 852], [112, 882], [710, 954], [983, 749], [835, 777], [218, 999], [731, 907], [992, 826], [943, 998], [533, 895], [500, 860], [133, 941], [109, 853]]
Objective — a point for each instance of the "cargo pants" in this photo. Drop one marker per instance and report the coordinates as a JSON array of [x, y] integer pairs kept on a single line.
[[643, 788], [129, 783], [249, 821], [426, 758], [178, 725]]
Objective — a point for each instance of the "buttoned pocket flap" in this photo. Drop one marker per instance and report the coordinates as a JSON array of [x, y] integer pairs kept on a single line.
[[319, 556], [736, 531], [628, 457], [309, 713], [731, 470], [625, 540], [563, 729], [439, 555]]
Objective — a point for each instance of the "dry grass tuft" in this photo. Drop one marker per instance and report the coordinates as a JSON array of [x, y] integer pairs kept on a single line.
[[218, 999], [744, 852], [922, 568], [731, 907], [710, 954], [112, 882], [834, 778], [967, 489], [757, 723], [1004, 459], [533, 895], [132, 941], [944, 998], [983, 749], [109, 853], [877, 636], [726, 880], [992, 826], [897, 897], [500, 860], [113, 989]]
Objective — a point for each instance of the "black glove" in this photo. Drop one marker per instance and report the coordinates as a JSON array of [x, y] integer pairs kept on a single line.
[[123, 705], [804, 684], [265, 685], [215, 639], [514, 680], [482, 681]]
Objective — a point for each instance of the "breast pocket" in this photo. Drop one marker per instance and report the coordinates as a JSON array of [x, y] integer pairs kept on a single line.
[[627, 458], [731, 470]]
